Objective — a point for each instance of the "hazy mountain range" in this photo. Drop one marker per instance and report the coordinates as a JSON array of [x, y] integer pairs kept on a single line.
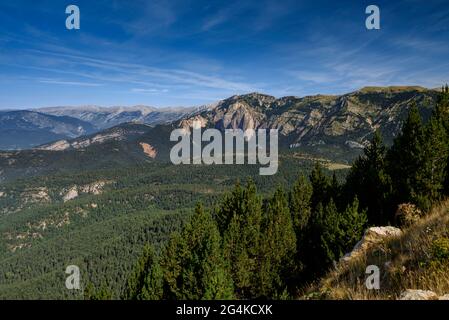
[[312, 121], [330, 127], [106, 117], [25, 129]]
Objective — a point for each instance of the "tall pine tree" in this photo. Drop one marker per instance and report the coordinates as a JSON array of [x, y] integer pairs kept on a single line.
[[370, 183]]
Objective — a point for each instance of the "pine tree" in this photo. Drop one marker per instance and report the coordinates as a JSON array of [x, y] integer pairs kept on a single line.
[[300, 209], [146, 282], [441, 113], [431, 173], [331, 234], [300, 201], [231, 205], [352, 223], [193, 263], [404, 157], [278, 248], [321, 186], [242, 240], [370, 183], [92, 293]]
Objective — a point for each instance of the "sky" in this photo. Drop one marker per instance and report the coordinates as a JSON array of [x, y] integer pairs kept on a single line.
[[166, 53]]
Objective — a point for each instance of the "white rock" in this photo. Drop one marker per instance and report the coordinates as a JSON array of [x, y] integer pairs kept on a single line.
[[72, 194], [372, 236], [411, 294]]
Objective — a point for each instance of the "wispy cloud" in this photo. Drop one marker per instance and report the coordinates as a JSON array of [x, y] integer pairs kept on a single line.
[[152, 90], [136, 72], [70, 83]]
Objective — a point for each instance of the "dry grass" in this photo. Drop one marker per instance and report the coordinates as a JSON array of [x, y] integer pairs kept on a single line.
[[412, 261]]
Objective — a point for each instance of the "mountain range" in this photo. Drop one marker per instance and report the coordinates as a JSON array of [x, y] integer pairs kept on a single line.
[[106, 117], [334, 127], [26, 129], [94, 198]]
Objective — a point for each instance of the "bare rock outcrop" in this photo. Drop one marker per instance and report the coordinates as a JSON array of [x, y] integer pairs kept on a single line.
[[372, 236], [71, 194], [149, 150], [411, 294]]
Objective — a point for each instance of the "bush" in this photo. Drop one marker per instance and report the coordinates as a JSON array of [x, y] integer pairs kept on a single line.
[[407, 214], [440, 249]]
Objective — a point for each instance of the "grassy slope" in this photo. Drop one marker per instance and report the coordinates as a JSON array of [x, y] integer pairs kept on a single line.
[[419, 259]]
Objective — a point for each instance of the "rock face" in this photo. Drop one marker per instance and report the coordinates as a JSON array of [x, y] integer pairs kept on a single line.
[[372, 236], [411, 294], [148, 150], [346, 120], [72, 194], [56, 146], [94, 188]]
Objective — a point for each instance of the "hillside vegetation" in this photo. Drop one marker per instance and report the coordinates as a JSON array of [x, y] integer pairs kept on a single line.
[[253, 246], [418, 259]]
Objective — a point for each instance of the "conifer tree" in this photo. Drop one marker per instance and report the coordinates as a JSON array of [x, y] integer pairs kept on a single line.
[[404, 157], [321, 185], [231, 205], [370, 183], [242, 240], [331, 234], [193, 263], [300, 201], [431, 173], [278, 248], [146, 282]]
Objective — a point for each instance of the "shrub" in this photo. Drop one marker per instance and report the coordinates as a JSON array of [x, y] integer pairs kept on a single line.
[[440, 249], [407, 214]]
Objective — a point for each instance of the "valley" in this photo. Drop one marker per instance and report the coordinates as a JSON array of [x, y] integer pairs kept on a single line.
[[96, 200]]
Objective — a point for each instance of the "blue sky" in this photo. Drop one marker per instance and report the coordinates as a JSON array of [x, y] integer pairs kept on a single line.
[[184, 53]]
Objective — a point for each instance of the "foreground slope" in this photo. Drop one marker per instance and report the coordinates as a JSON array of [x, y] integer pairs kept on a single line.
[[418, 259]]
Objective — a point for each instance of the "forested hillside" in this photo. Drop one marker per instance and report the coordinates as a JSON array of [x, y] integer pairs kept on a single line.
[[250, 246], [100, 220], [142, 228]]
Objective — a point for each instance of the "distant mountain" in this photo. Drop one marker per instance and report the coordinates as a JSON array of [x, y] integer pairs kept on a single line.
[[335, 128], [103, 118], [26, 129], [323, 123]]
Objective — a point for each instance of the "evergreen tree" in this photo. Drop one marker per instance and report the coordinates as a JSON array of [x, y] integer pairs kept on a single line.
[[431, 173], [242, 240], [370, 183], [300, 201], [404, 158], [441, 113], [232, 204], [193, 263], [92, 293], [321, 185], [146, 282], [278, 248], [352, 223], [300, 209], [330, 234]]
